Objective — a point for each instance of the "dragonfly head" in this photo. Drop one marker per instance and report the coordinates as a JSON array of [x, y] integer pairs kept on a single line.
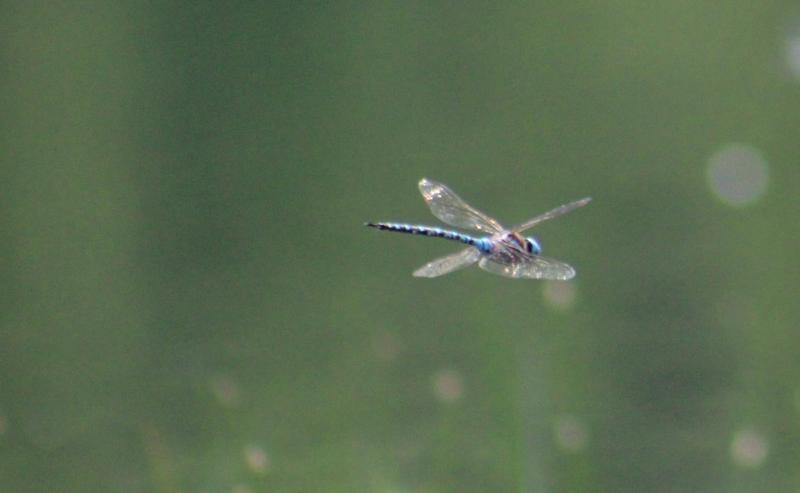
[[532, 245]]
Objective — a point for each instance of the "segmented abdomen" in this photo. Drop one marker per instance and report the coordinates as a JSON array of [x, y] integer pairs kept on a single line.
[[431, 231]]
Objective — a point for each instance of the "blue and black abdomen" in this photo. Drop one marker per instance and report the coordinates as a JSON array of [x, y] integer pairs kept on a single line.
[[480, 243]]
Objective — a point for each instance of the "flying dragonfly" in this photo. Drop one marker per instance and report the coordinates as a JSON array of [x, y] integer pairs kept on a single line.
[[501, 251]]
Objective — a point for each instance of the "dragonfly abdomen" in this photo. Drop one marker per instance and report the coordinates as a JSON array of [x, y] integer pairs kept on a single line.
[[480, 243]]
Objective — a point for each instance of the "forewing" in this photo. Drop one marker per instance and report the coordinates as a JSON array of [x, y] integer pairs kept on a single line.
[[448, 264], [558, 211], [535, 267], [449, 207]]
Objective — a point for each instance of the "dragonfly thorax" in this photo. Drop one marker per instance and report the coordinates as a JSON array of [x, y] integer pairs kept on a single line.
[[528, 245]]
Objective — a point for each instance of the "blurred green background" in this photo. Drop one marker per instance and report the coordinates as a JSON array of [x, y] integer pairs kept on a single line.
[[191, 303]]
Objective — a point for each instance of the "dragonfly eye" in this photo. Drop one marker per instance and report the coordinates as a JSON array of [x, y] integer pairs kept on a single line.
[[533, 246]]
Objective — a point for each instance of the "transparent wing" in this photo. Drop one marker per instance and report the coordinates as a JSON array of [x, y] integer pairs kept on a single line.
[[448, 264], [449, 207], [536, 267], [558, 211]]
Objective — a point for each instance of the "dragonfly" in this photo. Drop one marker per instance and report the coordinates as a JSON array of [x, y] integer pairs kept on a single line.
[[500, 251]]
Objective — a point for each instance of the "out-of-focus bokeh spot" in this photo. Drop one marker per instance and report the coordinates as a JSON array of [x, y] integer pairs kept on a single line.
[[571, 434], [738, 174], [749, 448], [559, 294], [226, 391], [257, 459], [386, 346], [448, 385]]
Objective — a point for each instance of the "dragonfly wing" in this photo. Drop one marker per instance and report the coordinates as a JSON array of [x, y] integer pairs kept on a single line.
[[536, 267], [450, 208], [448, 264], [558, 211], [495, 266]]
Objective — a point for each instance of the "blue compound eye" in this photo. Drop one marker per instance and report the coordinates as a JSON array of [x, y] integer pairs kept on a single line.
[[533, 246]]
